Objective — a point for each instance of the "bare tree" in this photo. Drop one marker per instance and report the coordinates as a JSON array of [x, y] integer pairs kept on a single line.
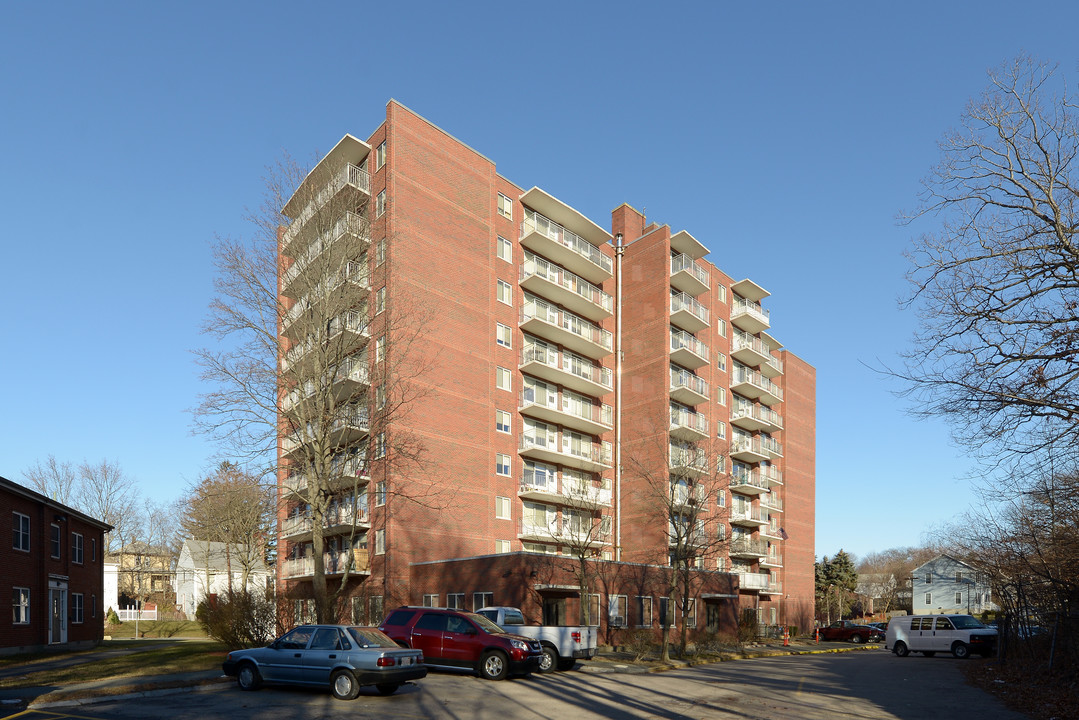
[[885, 576], [107, 493], [320, 346], [54, 479], [680, 482], [583, 531], [997, 282]]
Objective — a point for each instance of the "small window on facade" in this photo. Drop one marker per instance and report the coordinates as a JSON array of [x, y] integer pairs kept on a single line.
[[503, 379], [20, 605], [958, 577], [721, 292], [502, 546], [721, 429], [644, 611], [502, 421], [929, 598], [21, 532], [430, 600], [380, 204], [928, 578], [93, 549], [380, 252], [505, 249], [721, 361], [380, 156], [502, 464], [721, 328], [502, 508], [93, 606], [76, 608], [455, 601], [505, 206], [54, 541], [505, 292], [76, 548], [958, 598], [380, 300], [721, 564], [380, 542], [380, 445], [380, 493], [482, 600], [504, 335]]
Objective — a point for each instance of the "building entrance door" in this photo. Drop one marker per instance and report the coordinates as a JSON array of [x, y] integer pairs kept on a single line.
[[57, 612], [554, 611]]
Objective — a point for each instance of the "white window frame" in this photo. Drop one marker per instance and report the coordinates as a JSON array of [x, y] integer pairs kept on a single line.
[[380, 493], [721, 293], [77, 548], [504, 292], [644, 602], [455, 601], [503, 421], [505, 206], [430, 600], [503, 463], [56, 541], [721, 361], [380, 252], [380, 542], [380, 300], [502, 546], [504, 249], [503, 379], [482, 600], [78, 609], [20, 605], [503, 335], [380, 156], [380, 204], [929, 598], [594, 605], [502, 508], [380, 349], [20, 537]]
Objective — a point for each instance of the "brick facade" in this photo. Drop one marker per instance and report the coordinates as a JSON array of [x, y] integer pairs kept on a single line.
[[470, 255]]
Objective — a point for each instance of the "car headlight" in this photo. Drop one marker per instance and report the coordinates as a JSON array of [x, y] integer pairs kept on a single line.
[[519, 645]]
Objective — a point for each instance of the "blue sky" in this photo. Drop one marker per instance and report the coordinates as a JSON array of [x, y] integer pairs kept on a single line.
[[785, 136]]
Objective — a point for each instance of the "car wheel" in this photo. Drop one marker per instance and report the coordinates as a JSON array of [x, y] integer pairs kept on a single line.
[[855, 638], [343, 685], [901, 649], [929, 653], [248, 678], [549, 661], [961, 651], [565, 664], [494, 665], [387, 688]]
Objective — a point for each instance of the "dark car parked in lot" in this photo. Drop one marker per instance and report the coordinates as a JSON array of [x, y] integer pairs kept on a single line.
[[455, 639], [342, 657], [852, 631]]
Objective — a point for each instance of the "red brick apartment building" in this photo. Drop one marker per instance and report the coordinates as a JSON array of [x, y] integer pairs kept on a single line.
[[53, 572], [566, 369]]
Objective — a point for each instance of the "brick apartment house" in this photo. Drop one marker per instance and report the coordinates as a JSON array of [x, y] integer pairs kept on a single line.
[[53, 573], [568, 372]]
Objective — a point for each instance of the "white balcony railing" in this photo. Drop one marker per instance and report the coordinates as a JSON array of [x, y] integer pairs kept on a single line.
[[683, 262], [682, 418], [741, 306], [570, 363], [350, 175], [534, 266], [682, 339], [680, 301], [535, 308], [534, 222]]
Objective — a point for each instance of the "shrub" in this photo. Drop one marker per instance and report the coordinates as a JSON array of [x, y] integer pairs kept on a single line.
[[111, 617], [239, 619], [640, 642], [747, 626]]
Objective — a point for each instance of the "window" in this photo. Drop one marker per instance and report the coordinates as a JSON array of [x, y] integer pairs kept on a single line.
[[666, 612], [502, 464], [721, 498], [593, 609], [721, 396], [76, 608], [721, 429], [482, 600], [502, 508], [721, 531], [380, 542], [503, 379], [93, 606], [502, 421], [928, 579], [691, 613], [21, 532], [721, 564], [380, 204], [430, 600], [505, 249], [380, 396], [380, 300], [721, 292], [958, 577], [455, 601], [505, 206], [76, 548], [616, 610], [380, 349], [643, 616], [504, 336], [377, 611], [380, 156], [54, 540], [380, 493], [958, 597], [502, 546], [357, 611], [929, 598], [380, 252], [20, 605], [721, 328], [380, 445], [505, 292], [93, 549], [721, 361]]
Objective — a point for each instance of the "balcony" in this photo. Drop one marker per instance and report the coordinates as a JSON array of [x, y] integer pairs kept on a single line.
[[748, 448], [566, 369], [687, 313], [357, 561], [688, 276], [564, 328], [548, 404], [688, 496], [347, 238], [752, 384], [687, 388], [772, 532], [753, 351], [345, 430], [571, 494], [772, 559], [749, 316], [565, 288], [687, 351], [561, 533], [755, 418], [753, 581], [771, 502], [558, 447], [565, 247], [749, 517], [775, 587], [348, 470], [687, 461], [688, 425], [747, 548], [771, 475], [338, 519], [749, 482], [684, 243], [350, 183]]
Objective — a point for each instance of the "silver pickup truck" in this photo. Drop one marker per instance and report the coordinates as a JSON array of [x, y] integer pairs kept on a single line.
[[562, 646]]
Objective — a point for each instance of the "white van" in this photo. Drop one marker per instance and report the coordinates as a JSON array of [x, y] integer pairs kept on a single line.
[[960, 635]]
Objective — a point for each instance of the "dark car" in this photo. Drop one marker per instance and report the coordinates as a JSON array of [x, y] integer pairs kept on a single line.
[[455, 639], [851, 631], [340, 657]]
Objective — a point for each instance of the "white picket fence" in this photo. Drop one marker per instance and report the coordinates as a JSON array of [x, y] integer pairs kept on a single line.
[[133, 614]]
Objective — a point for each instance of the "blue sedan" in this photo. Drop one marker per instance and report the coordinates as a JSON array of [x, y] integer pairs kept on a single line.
[[339, 656]]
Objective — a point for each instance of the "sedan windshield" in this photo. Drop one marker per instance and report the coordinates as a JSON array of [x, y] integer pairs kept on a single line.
[[371, 638], [484, 623], [966, 622]]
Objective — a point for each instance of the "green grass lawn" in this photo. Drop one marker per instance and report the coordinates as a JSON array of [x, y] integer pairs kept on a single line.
[[188, 656], [156, 629]]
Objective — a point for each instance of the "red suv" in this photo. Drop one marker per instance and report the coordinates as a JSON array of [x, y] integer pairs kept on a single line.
[[455, 639]]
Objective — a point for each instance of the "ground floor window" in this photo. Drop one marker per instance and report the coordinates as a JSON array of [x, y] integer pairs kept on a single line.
[[666, 612], [593, 609], [357, 611], [644, 611], [691, 613], [455, 601], [20, 605], [482, 600], [76, 608], [430, 600], [376, 610], [616, 610]]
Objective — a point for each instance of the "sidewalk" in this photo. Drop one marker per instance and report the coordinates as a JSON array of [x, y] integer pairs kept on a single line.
[[607, 661]]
